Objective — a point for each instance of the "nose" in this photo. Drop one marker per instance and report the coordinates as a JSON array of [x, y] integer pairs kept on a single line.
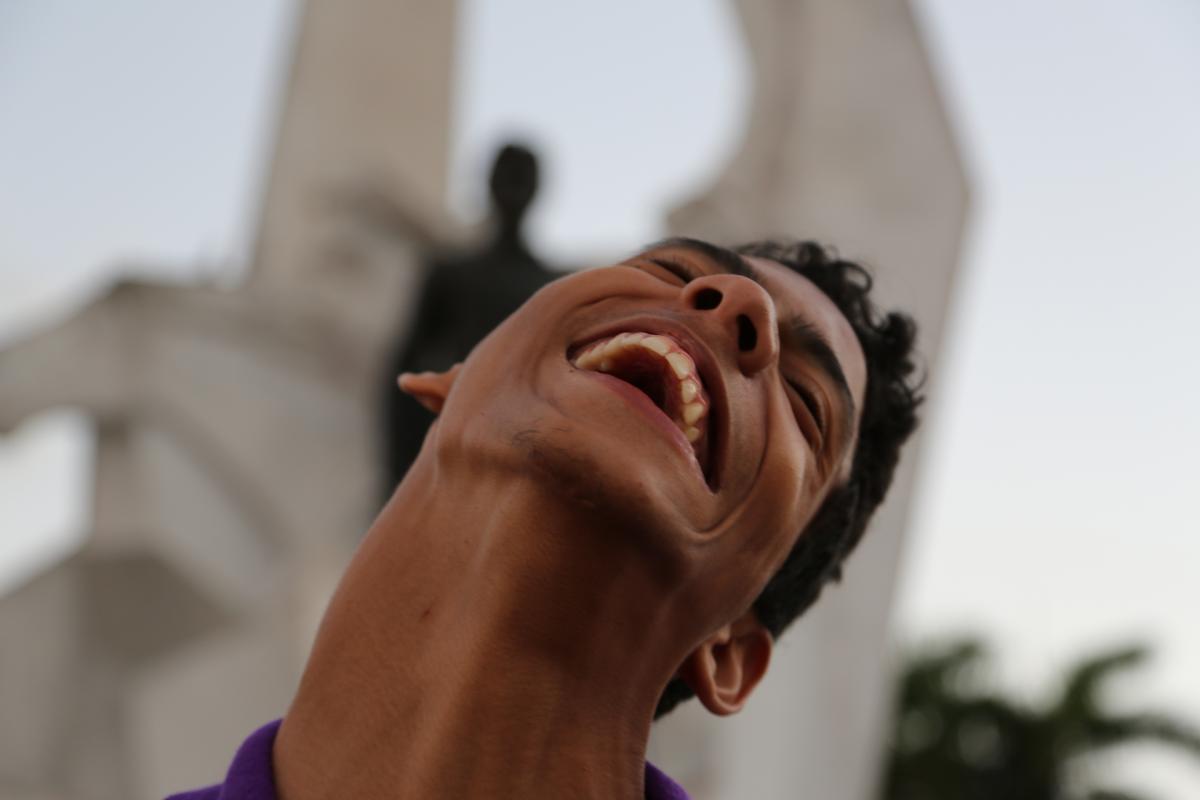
[[744, 312]]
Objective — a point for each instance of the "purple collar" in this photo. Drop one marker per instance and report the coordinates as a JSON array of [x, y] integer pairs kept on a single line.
[[251, 776]]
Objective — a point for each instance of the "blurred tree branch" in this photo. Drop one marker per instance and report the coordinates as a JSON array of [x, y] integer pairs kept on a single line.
[[955, 737]]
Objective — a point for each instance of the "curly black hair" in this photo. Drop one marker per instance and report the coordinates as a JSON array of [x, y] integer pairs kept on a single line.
[[889, 416]]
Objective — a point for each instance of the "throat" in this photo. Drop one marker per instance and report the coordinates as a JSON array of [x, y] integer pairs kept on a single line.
[[650, 382], [531, 728], [489, 647]]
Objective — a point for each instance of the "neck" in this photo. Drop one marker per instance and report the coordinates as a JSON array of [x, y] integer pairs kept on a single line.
[[508, 235], [483, 643]]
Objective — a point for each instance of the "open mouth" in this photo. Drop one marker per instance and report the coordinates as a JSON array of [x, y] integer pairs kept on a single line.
[[658, 367]]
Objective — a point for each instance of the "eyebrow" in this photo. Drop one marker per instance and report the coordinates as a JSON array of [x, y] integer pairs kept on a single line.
[[797, 332], [726, 259]]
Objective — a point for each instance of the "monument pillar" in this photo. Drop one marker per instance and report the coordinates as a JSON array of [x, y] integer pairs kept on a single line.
[[237, 456], [367, 104]]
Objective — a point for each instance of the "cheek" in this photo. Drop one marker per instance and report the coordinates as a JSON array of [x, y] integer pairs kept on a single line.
[[762, 536], [787, 498], [779, 522]]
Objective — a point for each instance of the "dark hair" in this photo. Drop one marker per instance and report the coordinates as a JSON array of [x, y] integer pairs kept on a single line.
[[888, 418]]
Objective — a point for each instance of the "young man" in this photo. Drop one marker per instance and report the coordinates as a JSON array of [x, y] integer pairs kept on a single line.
[[632, 487]]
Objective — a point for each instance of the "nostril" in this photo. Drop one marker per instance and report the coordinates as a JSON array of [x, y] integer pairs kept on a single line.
[[747, 336], [707, 299]]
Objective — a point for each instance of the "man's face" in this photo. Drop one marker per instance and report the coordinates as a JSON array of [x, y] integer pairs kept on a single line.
[[699, 404]]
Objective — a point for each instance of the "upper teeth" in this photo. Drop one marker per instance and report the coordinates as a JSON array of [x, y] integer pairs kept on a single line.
[[600, 357]]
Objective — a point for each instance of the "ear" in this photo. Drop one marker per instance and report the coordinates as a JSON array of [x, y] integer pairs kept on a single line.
[[430, 389], [726, 667]]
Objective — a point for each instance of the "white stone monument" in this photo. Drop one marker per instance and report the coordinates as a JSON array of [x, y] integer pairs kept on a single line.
[[236, 453]]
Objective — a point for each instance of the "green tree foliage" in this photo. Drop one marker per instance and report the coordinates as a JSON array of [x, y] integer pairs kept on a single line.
[[957, 738]]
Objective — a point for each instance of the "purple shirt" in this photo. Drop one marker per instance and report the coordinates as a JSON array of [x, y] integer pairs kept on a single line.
[[251, 776]]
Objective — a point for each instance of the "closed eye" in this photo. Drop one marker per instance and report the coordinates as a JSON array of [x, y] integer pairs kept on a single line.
[[811, 406], [676, 269]]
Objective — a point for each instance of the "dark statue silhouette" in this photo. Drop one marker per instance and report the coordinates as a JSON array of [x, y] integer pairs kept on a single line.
[[464, 297]]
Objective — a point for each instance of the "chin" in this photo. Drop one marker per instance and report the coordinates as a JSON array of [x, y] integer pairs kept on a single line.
[[592, 474]]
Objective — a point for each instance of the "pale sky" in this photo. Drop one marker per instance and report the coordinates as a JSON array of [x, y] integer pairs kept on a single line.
[[1056, 508]]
